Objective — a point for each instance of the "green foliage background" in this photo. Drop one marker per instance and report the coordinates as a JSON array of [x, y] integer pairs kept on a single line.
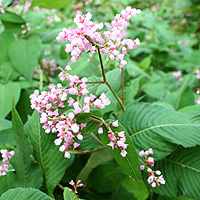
[[161, 112]]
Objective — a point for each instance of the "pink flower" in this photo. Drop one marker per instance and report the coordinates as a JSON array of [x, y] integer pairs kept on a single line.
[[142, 167], [100, 130], [115, 124], [72, 183], [123, 153]]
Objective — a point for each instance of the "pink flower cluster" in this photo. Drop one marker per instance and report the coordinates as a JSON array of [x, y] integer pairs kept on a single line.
[[48, 67], [89, 36], [6, 158], [77, 185], [198, 73], [26, 28], [65, 124], [154, 177], [178, 75], [117, 139], [1, 8]]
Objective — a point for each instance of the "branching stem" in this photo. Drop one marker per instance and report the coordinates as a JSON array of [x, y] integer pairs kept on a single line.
[[106, 82]]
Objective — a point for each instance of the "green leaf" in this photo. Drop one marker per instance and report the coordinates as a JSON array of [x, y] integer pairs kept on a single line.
[[181, 171], [182, 97], [122, 193], [135, 84], [104, 178], [134, 69], [35, 18], [97, 158], [7, 138], [8, 91], [48, 36], [5, 124], [174, 198], [82, 117], [164, 104], [190, 109], [26, 168], [24, 194], [7, 182], [12, 27], [68, 195], [88, 143], [50, 4], [130, 162], [11, 17], [159, 128], [46, 153], [5, 3], [138, 189], [6, 40], [91, 125], [155, 90], [145, 63], [7, 73], [86, 69], [24, 55]]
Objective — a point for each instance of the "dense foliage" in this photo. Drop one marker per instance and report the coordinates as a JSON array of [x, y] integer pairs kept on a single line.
[[99, 111]]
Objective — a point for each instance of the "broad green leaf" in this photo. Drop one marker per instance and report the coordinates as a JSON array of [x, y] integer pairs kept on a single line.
[[24, 194], [50, 4], [164, 104], [28, 172], [24, 55], [122, 193], [135, 84], [88, 142], [24, 105], [7, 182], [134, 69], [91, 125], [105, 178], [160, 197], [48, 36], [6, 39], [97, 158], [82, 117], [159, 128], [7, 138], [181, 171], [182, 97], [138, 189], [190, 109], [35, 18], [8, 91], [69, 195], [11, 17], [7, 73], [12, 27], [5, 3], [24, 84], [145, 63], [130, 162], [154, 90], [46, 153], [84, 68], [5, 124]]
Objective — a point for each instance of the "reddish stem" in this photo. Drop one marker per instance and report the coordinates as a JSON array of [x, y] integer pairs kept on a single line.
[[95, 82]]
